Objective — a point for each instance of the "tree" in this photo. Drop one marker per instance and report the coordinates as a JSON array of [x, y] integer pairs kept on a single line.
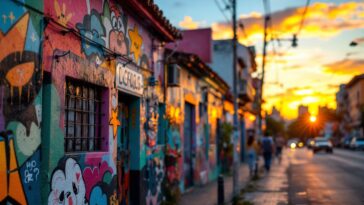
[[274, 127]]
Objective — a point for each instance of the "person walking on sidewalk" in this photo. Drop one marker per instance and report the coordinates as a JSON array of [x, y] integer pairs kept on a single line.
[[267, 149], [253, 150], [279, 142]]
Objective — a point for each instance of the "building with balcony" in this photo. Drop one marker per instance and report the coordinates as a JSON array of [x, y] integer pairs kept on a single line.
[[222, 63], [355, 92], [342, 110]]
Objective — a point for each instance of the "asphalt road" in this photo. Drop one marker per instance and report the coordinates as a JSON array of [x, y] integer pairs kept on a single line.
[[322, 178]]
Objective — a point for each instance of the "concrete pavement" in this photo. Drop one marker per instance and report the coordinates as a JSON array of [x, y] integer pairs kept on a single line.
[[272, 187], [207, 194]]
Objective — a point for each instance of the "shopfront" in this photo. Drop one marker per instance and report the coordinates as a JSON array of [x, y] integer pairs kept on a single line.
[[129, 83]]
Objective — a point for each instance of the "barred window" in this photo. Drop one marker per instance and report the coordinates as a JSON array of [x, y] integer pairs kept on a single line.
[[82, 116]]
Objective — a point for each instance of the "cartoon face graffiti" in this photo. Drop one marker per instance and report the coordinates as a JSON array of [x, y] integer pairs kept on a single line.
[[93, 32], [20, 74], [117, 39], [67, 185]]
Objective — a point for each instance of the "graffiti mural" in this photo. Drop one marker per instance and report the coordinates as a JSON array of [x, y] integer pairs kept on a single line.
[[153, 170], [136, 43], [71, 185], [11, 189], [173, 156], [20, 104], [20, 75], [152, 119], [93, 32], [102, 25], [118, 42], [63, 17], [42, 44], [67, 185], [114, 122], [153, 177]]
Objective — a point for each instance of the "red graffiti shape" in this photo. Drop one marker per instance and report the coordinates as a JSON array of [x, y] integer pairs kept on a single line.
[[93, 175]]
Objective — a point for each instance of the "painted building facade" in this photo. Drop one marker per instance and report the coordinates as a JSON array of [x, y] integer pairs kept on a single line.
[[195, 110], [79, 101]]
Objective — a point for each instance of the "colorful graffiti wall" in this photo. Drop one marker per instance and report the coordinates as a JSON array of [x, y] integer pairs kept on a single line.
[[43, 43], [20, 103], [81, 35]]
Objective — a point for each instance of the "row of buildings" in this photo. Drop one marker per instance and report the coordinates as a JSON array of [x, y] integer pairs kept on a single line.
[[105, 102], [350, 107]]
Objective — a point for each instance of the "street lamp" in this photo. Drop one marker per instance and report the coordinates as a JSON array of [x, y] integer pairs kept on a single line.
[[357, 42], [353, 44]]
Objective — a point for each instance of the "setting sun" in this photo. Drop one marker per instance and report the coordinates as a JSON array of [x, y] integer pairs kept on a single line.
[[313, 118]]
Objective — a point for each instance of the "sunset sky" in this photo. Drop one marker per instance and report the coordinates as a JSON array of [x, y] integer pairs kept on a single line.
[[309, 74]]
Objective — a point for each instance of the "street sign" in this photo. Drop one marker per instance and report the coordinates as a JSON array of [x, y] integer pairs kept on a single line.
[[129, 80]]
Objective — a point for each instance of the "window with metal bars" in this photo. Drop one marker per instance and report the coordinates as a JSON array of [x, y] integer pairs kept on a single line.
[[83, 116]]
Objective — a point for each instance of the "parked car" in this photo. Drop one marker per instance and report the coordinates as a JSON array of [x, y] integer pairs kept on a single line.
[[322, 144], [345, 142], [357, 143]]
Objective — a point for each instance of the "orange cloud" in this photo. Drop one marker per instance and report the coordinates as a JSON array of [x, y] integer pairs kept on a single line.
[[322, 19], [345, 67], [289, 100], [359, 40], [188, 23]]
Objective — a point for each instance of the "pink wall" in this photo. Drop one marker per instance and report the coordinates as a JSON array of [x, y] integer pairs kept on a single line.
[[197, 41]]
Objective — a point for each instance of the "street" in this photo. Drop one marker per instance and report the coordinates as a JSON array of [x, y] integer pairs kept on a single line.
[[326, 178]]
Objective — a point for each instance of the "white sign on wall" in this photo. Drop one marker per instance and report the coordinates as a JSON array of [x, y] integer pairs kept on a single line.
[[129, 80]]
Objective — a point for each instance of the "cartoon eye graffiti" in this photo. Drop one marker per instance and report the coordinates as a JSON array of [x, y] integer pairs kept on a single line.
[[61, 197], [120, 24], [19, 69], [75, 188], [114, 20]]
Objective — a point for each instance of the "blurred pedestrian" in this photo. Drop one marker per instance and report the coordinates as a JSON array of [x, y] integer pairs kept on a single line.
[[279, 142], [267, 150], [253, 150]]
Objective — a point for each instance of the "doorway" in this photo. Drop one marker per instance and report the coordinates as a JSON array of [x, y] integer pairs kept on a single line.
[[123, 147], [188, 145]]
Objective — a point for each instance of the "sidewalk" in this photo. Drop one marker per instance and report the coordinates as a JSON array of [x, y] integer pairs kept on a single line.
[[207, 194], [272, 187]]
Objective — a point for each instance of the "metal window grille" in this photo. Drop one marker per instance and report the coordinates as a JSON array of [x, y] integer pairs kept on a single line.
[[82, 117]]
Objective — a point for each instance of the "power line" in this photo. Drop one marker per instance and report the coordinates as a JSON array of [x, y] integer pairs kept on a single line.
[[222, 11], [265, 41], [303, 16]]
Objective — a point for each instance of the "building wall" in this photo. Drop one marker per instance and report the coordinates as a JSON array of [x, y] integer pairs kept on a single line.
[[223, 58], [32, 35], [356, 101], [204, 144], [20, 103]]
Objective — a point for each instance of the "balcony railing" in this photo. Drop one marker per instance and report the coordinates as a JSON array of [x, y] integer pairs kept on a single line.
[[246, 91]]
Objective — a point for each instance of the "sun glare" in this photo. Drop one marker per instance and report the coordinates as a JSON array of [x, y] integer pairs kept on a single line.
[[313, 118]]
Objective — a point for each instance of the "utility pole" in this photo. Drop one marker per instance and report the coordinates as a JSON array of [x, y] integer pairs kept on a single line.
[[235, 93], [266, 20]]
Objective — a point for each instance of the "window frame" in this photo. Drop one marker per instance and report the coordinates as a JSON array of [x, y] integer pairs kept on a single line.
[[82, 110]]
